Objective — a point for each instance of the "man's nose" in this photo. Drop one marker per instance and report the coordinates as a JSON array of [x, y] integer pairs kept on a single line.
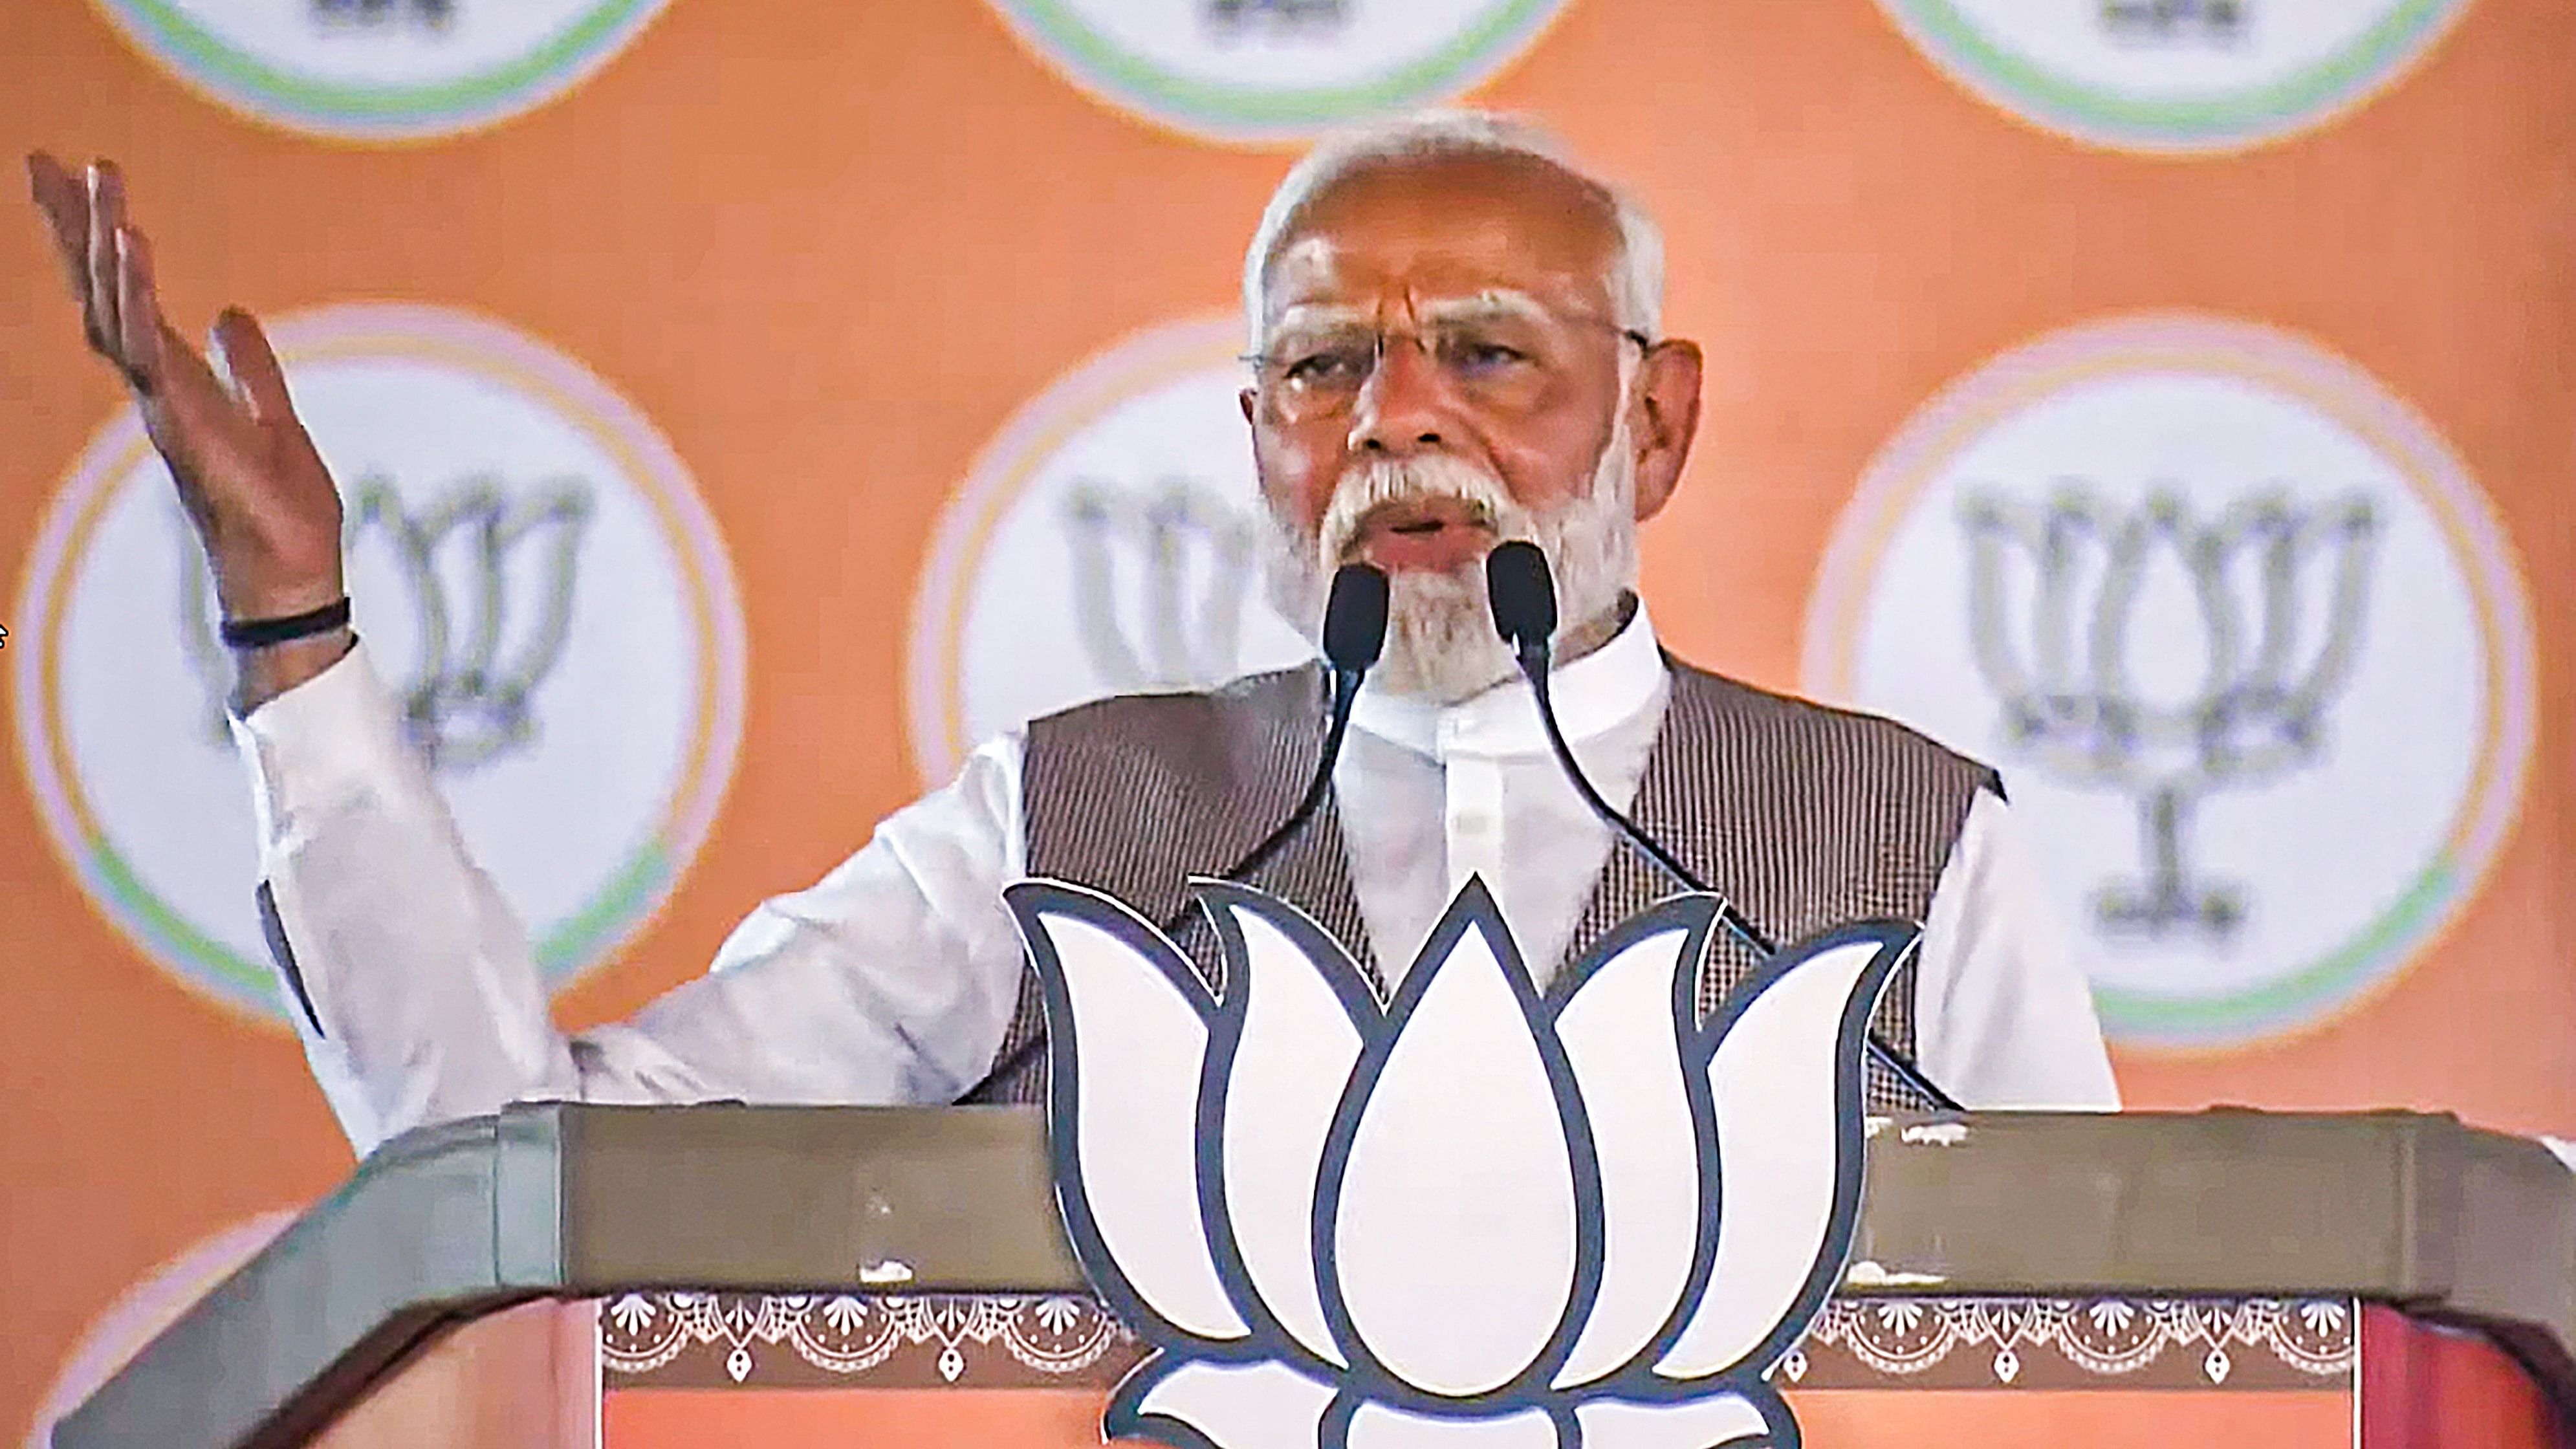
[[1403, 408]]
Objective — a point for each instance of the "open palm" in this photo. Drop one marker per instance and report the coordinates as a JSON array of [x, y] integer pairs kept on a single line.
[[258, 493]]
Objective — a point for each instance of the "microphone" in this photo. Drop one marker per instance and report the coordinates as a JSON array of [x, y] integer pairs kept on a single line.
[[1523, 598], [1354, 636]]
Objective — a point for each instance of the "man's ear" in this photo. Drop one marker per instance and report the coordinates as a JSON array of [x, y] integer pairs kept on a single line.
[[1664, 417], [1248, 401]]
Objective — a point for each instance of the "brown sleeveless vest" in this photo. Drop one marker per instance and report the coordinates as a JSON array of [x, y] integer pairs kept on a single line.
[[1806, 817]]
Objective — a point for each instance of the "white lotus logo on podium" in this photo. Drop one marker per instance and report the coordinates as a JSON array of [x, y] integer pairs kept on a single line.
[[1481, 1215]]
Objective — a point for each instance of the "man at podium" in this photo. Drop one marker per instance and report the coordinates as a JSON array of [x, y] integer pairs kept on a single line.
[[1456, 341]]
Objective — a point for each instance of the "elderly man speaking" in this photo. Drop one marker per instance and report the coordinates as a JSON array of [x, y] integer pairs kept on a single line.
[[1456, 342]]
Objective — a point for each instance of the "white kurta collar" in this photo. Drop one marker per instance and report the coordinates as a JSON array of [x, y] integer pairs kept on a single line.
[[1592, 695]]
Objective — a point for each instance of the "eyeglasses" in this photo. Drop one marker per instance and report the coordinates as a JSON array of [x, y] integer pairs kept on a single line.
[[1506, 361]]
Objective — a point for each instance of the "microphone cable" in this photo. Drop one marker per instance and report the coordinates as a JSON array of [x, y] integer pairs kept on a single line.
[[1523, 598], [1354, 636]]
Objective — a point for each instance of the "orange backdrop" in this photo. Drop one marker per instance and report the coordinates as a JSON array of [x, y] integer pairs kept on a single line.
[[829, 250]]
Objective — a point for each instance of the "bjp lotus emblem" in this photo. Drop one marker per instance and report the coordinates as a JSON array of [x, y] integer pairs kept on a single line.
[[1480, 1215]]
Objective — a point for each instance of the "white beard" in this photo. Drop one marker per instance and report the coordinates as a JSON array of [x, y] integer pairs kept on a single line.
[[1440, 639]]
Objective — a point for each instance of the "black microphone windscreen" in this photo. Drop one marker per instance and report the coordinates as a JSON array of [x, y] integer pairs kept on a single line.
[[1522, 594], [1355, 618]]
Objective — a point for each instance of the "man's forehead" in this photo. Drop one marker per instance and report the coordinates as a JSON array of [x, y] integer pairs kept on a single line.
[[1427, 306], [1454, 226]]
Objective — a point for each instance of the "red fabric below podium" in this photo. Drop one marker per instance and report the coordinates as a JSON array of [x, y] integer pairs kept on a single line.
[[1833, 1419]]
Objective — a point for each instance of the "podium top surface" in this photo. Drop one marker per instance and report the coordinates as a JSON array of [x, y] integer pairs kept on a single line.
[[574, 1200]]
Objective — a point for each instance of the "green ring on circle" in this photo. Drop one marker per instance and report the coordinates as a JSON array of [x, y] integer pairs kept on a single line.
[[567, 946], [249, 79], [2368, 958], [1164, 92], [2249, 115]]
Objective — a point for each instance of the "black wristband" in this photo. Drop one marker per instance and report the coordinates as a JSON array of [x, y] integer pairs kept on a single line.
[[260, 633]]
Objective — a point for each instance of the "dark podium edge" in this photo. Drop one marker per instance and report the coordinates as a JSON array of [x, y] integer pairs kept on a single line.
[[561, 1200]]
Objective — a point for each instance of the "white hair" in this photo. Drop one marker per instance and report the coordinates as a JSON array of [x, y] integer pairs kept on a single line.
[[1636, 273]]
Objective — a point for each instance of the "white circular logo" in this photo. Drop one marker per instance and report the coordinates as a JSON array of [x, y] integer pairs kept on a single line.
[[2176, 75], [1106, 542], [2244, 637], [1265, 70], [537, 583], [379, 70]]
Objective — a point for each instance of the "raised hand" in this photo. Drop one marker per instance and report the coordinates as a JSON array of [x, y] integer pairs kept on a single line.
[[262, 502]]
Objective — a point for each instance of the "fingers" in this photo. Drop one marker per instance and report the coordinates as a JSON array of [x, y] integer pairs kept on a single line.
[[65, 202], [110, 264], [66, 209], [187, 383], [252, 365], [138, 311], [106, 214], [194, 420], [48, 182]]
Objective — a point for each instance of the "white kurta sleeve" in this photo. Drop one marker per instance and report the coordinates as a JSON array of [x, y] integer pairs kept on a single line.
[[2002, 1015], [418, 1000]]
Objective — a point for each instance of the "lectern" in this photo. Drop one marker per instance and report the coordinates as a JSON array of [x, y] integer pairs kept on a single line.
[[565, 1275]]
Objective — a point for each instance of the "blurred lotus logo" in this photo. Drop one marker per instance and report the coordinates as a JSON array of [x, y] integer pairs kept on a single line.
[[538, 585], [467, 696], [1233, 20], [2056, 645], [2175, 22], [2243, 636], [433, 14], [1188, 555], [1274, 70], [380, 70], [1108, 541], [2175, 75]]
